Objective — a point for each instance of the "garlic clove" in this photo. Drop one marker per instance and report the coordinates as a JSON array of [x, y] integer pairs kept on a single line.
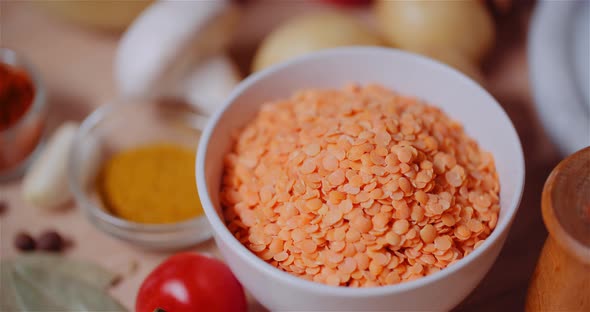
[[45, 184], [212, 81]]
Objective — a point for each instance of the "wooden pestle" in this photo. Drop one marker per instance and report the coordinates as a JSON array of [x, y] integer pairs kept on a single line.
[[561, 281]]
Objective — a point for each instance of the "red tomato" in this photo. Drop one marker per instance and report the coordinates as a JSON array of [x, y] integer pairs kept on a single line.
[[349, 2], [191, 282]]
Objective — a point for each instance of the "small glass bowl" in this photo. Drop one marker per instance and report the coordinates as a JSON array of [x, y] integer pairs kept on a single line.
[[122, 125], [20, 143]]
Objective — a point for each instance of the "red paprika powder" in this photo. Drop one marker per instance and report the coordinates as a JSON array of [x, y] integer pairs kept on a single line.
[[22, 114], [16, 95]]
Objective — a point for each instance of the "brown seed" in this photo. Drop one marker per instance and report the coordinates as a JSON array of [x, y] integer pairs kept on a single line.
[[24, 242], [3, 208], [50, 241]]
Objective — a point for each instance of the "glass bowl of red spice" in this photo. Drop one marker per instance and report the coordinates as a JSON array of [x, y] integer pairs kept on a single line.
[[22, 113]]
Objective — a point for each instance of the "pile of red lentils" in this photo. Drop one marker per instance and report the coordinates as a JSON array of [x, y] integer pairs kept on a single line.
[[358, 187]]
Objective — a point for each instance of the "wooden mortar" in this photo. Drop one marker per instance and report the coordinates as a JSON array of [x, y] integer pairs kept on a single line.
[[561, 281]]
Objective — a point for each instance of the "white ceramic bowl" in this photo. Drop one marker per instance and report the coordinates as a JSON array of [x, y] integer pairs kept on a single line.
[[410, 74]]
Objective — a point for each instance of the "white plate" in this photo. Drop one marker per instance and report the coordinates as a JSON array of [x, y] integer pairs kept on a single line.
[[559, 61]]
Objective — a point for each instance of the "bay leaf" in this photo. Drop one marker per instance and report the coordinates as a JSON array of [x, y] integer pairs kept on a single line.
[[7, 292], [29, 298], [52, 283], [83, 270]]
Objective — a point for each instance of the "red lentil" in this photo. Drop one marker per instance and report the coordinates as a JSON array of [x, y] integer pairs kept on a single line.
[[358, 187]]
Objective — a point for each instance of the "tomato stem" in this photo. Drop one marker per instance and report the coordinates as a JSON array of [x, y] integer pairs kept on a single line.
[[159, 310]]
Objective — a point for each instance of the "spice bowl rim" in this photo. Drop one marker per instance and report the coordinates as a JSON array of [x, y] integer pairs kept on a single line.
[[248, 259], [196, 230]]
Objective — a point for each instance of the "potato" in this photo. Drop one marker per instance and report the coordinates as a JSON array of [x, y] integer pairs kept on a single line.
[[312, 32], [465, 26]]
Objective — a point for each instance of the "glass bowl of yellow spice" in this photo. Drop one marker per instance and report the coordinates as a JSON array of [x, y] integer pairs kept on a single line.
[[131, 169]]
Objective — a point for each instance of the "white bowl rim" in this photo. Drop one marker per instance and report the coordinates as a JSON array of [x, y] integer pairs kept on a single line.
[[221, 230]]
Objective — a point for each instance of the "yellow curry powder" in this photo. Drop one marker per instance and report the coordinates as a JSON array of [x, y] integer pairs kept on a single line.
[[151, 184]]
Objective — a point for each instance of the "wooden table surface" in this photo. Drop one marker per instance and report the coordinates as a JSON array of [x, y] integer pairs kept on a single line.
[[76, 64]]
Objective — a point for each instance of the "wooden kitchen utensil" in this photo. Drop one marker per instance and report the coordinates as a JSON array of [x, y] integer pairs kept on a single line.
[[561, 281]]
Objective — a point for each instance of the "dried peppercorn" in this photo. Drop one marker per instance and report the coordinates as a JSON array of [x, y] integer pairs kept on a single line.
[[50, 241], [24, 242]]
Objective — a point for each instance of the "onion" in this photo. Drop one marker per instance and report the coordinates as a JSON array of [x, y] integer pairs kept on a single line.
[[312, 32], [465, 26]]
